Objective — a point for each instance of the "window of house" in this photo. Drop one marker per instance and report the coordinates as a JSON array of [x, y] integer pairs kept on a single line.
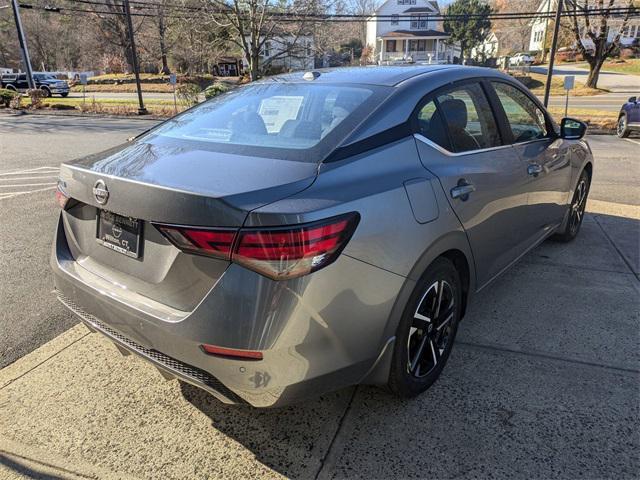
[[394, 19], [419, 22], [266, 49], [526, 120]]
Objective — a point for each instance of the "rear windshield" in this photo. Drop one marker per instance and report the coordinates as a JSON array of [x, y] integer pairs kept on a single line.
[[296, 121]]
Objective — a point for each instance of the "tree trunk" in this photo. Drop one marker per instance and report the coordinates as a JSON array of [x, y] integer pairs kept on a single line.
[[163, 45], [594, 73], [254, 66]]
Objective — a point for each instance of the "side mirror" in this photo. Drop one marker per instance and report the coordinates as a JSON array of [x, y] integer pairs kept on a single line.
[[572, 129], [633, 99]]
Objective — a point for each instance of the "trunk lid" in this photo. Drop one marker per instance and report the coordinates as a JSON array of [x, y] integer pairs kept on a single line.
[[154, 181]]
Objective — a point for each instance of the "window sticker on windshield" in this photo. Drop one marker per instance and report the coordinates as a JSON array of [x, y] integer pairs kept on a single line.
[[278, 109]]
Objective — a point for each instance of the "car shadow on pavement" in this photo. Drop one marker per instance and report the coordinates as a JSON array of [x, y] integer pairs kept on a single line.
[[14, 465], [512, 402]]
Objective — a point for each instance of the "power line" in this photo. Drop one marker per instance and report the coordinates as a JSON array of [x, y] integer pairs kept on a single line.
[[337, 18]]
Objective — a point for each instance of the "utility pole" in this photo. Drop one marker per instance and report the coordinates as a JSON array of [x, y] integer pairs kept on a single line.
[[134, 54], [546, 32], [554, 46], [23, 44]]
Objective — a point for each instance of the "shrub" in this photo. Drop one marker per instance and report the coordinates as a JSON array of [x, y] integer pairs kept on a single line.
[[61, 106], [187, 94], [16, 102], [36, 96], [215, 90], [6, 96]]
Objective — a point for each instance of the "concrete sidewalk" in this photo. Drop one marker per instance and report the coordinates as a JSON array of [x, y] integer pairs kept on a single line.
[[613, 81], [543, 383]]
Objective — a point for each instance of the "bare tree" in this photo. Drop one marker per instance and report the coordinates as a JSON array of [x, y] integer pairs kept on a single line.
[[253, 23], [596, 28], [113, 26]]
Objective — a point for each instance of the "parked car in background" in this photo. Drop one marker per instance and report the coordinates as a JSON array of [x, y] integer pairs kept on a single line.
[[46, 82], [312, 231], [521, 59], [629, 118]]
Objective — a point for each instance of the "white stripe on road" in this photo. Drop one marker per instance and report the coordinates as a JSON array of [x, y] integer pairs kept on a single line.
[[4, 196], [45, 173], [27, 185], [632, 141]]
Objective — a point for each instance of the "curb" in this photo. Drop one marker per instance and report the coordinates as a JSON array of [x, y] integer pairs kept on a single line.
[[54, 113], [33, 360], [28, 461]]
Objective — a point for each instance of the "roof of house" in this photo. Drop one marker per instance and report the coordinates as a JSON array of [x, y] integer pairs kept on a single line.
[[415, 33], [420, 10]]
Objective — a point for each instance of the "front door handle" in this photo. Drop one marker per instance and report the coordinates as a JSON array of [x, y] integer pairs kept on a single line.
[[462, 190], [534, 169]]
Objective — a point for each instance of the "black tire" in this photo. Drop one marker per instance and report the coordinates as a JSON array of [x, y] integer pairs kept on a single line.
[[45, 92], [410, 377], [64, 95], [11, 87], [622, 129], [576, 209]]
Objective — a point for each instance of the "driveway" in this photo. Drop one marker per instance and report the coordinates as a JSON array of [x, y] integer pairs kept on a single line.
[[614, 81]]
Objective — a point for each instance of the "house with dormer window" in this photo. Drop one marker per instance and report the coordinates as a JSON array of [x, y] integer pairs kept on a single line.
[[406, 31]]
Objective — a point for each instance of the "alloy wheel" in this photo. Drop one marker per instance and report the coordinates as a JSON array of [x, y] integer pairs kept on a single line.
[[430, 334], [622, 125], [578, 205]]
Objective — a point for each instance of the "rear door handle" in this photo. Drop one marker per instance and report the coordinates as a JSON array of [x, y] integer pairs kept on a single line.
[[534, 169], [462, 190]]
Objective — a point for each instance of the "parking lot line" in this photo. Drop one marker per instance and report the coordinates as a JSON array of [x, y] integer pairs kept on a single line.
[[27, 185], [632, 141], [42, 177]]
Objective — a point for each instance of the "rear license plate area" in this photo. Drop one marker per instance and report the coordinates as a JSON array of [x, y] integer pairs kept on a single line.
[[120, 234]]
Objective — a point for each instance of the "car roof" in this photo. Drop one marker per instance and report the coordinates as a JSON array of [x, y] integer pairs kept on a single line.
[[370, 75]]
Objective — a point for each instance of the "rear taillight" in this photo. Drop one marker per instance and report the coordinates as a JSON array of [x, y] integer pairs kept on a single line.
[[214, 243], [61, 195], [278, 253]]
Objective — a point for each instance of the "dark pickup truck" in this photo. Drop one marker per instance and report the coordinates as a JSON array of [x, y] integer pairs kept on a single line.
[[49, 84]]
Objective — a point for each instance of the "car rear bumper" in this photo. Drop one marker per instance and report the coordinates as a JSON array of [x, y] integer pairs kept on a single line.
[[317, 333]]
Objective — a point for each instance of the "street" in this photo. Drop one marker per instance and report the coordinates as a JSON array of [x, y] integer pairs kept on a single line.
[[609, 102], [542, 382]]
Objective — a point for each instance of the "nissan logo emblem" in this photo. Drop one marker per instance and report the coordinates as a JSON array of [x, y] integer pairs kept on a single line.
[[101, 192]]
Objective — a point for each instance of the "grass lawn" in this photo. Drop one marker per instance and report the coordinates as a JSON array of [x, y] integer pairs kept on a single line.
[[631, 66], [126, 88], [538, 80], [112, 106], [594, 118]]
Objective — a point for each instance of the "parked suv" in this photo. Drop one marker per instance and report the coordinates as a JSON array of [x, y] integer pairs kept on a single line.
[[46, 82], [629, 118], [520, 59]]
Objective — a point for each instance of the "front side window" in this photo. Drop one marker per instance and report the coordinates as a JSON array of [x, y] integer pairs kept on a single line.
[[526, 120]]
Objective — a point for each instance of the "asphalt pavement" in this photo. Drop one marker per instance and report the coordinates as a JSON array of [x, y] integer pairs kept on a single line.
[[542, 383]]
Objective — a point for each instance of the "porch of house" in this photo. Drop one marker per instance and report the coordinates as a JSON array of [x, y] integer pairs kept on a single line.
[[430, 49]]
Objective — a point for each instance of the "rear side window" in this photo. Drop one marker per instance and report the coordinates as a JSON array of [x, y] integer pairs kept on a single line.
[[460, 120], [526, 119]]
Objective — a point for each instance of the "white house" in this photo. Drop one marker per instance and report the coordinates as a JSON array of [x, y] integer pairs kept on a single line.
[[487, 49], [287, 52], [405, 31], [540, 24]]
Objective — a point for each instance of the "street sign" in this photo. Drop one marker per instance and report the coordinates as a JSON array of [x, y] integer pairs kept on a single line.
[[173, 79], [83, 78], [569, 82]]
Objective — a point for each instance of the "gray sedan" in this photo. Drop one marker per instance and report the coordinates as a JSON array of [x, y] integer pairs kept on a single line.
[[313, 231]]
